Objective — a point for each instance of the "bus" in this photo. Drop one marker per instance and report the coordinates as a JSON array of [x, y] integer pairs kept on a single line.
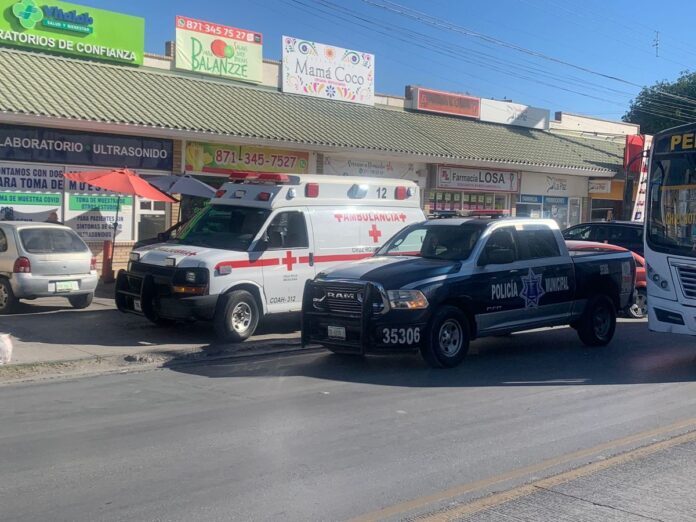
[[670, 231]]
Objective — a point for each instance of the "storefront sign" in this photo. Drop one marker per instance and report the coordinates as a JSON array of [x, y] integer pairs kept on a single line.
[[639, 207], [324, 71], [80, 148], [526, 198], [225, 159], [371, 168], [477, 179], [556, 185], [31, 177], [599, 186], [515, 114], [72, 29], [93, 216], [219, 50], [445, 102]]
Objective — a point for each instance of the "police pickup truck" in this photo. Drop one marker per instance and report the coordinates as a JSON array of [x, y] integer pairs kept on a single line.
[[437, 285]]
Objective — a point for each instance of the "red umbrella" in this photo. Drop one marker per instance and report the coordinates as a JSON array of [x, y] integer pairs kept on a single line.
[[124, 181]]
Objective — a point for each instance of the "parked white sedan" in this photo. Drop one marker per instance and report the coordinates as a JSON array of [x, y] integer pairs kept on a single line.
[[44, 260]]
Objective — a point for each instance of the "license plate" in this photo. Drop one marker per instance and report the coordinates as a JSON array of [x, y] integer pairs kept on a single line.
[[337, 332], [66, 286], [137, 306]]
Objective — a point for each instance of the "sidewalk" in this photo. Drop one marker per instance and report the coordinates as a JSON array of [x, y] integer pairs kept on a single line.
[[49, 331]]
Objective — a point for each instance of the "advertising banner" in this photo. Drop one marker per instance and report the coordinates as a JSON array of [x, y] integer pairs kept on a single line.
[[225, 159], [72, 29], [92, 216], [515, 114], [80, 148], [599, 186], [443, 102], [371, 168], [639, 207], [328, 72], [218, 50], [477, 179]]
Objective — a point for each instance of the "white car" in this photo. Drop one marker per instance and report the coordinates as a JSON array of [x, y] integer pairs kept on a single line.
[[249, 253], [44, 260]]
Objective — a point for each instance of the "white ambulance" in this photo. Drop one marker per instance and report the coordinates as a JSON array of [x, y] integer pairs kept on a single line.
[[249, 252]]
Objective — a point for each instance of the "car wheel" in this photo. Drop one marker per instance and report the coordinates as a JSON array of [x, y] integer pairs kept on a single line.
[[447, 338], [8, 301], [639, 307], [598, 322], [236, 317], [81, 301]]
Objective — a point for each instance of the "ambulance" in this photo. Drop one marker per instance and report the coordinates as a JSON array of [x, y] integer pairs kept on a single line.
[[249, 252]]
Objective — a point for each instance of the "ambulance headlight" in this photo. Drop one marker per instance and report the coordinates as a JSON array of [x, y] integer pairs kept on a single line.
[[407, 299], [191, 276]]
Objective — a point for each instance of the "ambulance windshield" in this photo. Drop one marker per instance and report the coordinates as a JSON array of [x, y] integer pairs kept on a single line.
[[224, 226], [452, 242]]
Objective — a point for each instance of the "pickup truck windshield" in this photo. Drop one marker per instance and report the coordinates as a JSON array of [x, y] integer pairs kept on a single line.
[[672, 219], [223, 226], [451, 242]]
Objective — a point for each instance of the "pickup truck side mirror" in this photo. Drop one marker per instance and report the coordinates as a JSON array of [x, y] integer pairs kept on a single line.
[[497, 256]]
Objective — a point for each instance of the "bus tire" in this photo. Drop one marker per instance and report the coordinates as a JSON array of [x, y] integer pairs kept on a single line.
[[598, 322], [236, 317], [447, 338]]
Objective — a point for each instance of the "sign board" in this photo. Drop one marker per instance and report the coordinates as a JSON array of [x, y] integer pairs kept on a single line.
[[72, 29], [599, 186], [477, 179], [219, 50], [516, 114], [445, 102], [639, 207], [224, 159], [338, 166], [328, 72], [80, 148]]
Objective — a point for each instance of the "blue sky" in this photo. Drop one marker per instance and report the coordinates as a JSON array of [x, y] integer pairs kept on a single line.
[[613, 37]]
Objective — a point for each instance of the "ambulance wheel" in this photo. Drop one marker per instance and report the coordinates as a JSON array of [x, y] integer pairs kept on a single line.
[[236, 317], [598, 322], [447, 339]]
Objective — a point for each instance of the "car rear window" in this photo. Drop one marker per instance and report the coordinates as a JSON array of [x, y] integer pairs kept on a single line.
[[51, 241]]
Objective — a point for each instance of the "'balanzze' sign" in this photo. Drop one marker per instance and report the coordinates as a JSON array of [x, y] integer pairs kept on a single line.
[[477, 179]]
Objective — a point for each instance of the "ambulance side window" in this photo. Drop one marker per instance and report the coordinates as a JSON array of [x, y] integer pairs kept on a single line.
[[287, 230]]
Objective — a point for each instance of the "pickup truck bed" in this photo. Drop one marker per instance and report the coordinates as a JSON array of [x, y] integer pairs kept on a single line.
[[482, 278]]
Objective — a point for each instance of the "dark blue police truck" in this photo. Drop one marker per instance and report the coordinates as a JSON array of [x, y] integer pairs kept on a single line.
[[437, 285]]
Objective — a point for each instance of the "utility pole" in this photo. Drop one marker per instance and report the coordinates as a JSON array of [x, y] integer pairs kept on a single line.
[[656, 44]]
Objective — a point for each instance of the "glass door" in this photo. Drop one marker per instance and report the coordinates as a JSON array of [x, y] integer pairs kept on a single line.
[[574, 211]]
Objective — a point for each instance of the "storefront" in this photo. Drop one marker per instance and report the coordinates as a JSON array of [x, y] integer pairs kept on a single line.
[[32, 187], [461, 188], [606, 199], [553, 196]]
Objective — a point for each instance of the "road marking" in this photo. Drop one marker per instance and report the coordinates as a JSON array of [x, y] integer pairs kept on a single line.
[[422, 503]]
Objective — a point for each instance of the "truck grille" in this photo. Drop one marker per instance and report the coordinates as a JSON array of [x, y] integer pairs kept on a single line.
[[145, 268], [344, 298], [687, 279]]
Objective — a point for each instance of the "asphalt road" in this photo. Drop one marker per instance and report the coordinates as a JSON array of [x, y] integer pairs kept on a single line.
[[321, 437]]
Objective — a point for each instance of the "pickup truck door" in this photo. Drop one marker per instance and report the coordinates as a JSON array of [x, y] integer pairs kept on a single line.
[[525, 278]]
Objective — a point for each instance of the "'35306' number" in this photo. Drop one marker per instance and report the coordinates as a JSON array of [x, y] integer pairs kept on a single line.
[[401, 335]]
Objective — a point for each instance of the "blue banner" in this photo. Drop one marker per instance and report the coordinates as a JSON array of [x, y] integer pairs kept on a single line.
[[32, 144]]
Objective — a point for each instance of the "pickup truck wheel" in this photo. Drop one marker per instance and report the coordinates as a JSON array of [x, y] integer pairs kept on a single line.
[[8, 301], [639, 308], [447, 339], [598, 322], [236, 317], [80, 301]]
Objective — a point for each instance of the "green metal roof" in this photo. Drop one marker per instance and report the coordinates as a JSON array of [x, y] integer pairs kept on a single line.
[[57, 87]]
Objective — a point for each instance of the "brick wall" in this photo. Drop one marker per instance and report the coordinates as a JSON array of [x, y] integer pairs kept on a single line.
[[121, 253]]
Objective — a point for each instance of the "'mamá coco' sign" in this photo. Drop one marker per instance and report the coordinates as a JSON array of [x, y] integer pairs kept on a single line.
[[218, 50], [329, 72]]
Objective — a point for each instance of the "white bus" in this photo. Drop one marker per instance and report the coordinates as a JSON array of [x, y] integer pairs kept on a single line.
[[670, 231]]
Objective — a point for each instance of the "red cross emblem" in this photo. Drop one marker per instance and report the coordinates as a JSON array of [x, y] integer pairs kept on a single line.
[[289, 260], [375, 233]]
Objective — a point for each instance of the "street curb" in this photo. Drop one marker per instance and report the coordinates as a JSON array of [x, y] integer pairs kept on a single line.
[[143, 361]]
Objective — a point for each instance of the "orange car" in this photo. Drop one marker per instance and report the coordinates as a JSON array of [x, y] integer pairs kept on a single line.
[[639, 307]]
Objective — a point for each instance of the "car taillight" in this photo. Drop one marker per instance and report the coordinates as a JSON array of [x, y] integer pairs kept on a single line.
[[93, 263], [22, 266]]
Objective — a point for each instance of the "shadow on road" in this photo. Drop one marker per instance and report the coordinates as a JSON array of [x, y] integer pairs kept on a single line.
[[542, 358]]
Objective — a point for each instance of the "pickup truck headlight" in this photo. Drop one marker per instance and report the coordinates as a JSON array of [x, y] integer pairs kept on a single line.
[[407, 299]]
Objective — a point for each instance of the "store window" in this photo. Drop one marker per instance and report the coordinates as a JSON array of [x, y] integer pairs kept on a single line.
[[450, 200], [153, 218]]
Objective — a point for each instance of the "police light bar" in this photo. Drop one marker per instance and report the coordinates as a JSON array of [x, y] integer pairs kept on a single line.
[[274, 177], [243, 176]]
